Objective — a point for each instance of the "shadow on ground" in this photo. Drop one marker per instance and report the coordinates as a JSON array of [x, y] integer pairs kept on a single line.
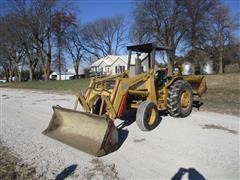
[[197, 104], [129, 117], [193, 174], [66, 172]]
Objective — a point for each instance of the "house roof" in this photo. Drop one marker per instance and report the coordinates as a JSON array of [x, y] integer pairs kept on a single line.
[[110, 59], [97, 63]]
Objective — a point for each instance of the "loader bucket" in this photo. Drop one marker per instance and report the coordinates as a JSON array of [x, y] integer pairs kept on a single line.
[[198, 84], [93, 134]]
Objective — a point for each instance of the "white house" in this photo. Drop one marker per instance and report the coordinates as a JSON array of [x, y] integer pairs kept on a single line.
[[110, 64], [69, 74]]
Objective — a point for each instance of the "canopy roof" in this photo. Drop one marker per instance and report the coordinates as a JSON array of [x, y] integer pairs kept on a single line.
[[147, 48]]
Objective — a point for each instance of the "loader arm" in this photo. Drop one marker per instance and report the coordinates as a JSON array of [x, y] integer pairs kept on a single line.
[[114, 98], [125, 84]]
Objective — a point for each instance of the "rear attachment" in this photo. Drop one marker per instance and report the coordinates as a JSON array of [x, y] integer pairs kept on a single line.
[[93, 134]]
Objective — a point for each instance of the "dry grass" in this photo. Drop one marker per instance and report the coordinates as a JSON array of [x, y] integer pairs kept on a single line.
[[223, 94]]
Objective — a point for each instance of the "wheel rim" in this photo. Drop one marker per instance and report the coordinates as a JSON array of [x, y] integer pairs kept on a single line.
[[185, 100], [151, 117]]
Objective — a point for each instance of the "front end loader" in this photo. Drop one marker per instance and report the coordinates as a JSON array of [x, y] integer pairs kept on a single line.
[[143, 88]]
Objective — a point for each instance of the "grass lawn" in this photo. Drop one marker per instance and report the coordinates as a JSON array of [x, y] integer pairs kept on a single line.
[[72, 86], [223, 94]]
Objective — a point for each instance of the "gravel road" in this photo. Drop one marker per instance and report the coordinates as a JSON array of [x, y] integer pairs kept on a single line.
[[203, 145]]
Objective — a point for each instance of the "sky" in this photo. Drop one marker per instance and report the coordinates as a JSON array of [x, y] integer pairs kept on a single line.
[[89, 10]]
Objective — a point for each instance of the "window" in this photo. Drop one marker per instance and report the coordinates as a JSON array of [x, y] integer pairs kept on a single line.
[[119, 69]]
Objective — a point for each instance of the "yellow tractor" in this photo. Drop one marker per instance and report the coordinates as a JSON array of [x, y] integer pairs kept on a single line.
[[142, 87]]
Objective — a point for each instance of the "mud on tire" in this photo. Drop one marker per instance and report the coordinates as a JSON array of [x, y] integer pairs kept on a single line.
[[179, 105]]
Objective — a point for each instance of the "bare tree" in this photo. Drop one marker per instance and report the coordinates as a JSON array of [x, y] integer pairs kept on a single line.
[[198, 17], [36, 16], [28, 35], [162, 21], [221, 33], [4, 66], [61, 21], [75, 47], [31, 57], [105, 36], [11, 48]]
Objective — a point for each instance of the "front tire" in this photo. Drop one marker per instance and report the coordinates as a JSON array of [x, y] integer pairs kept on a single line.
[[147, 116], [180, 99]]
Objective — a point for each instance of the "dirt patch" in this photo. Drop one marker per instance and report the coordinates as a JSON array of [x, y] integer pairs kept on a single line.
[[99, 170], [11, 167], [139, 140], [214, 126]]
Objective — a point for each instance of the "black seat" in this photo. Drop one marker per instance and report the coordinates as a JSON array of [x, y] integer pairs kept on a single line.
[[160, 77]]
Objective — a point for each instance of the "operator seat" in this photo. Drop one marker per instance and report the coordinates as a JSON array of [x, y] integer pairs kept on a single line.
[[160, 77]]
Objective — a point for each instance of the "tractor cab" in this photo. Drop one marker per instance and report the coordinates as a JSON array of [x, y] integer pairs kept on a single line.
[[145, 59]]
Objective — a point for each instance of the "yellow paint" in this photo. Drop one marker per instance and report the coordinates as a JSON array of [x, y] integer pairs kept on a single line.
[[139, 88]]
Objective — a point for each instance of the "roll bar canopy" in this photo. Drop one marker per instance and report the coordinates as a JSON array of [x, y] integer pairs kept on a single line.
[[147, 48]]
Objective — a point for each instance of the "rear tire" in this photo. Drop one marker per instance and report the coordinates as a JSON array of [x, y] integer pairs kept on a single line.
[[180, 99], [147, 116]]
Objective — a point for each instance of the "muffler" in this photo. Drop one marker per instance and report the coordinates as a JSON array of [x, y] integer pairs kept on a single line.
[[93, 134]]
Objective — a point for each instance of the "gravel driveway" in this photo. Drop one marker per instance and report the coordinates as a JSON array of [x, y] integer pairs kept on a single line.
[[203, 145]]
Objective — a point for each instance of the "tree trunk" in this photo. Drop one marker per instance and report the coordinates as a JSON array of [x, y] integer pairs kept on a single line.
[[49, 59], [16, 73], [30, 74], [76, 72], [47, 68], [7, 76], [59, 63], [76, 68], [220, 71], [19, 76], [45, 74], [10, 75], [6, 72], [31, 67]]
